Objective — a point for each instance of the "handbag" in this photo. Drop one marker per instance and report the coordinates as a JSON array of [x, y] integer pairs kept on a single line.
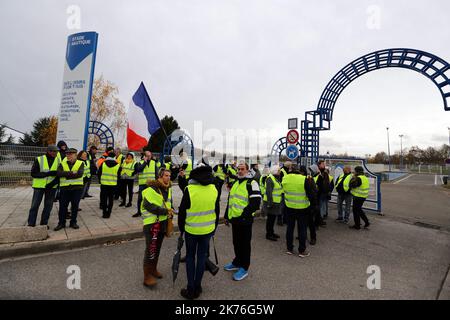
[[169, 228]]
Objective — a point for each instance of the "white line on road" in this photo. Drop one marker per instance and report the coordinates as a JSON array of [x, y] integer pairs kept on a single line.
[[404, 178]]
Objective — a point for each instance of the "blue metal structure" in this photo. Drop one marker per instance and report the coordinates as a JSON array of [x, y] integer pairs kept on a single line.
[[279, 146], [103, 132], [431, 66], [176, 138]]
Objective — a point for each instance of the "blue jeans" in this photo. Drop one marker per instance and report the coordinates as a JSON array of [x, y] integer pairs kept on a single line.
[[38, 194], [66, 197], [323, 203], [196, 245], [347, 198]]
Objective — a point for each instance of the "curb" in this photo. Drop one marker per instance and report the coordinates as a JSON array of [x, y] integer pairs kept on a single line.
[[24, 249]]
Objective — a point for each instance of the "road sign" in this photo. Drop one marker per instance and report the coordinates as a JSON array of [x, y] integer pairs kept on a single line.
[[292, 152], [293, 123], [292, 136]]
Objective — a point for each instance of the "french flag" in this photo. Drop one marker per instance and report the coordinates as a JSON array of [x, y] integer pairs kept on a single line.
[[142, 119]]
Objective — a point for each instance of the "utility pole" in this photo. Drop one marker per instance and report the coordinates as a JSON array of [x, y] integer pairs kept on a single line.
[[401, 151], [389, 149]]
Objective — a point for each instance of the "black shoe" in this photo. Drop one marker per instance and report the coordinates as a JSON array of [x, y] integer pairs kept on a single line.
[[312, 242], [137, 214], [88, 196], [79, 209], [183, 259], [32, 225], [185, 293], [366, 226], [271, 238], [355, 227], [340, 220], [75, 226], [59, 227], [128, 205], [197, 292], [276, 236], [122, 204]]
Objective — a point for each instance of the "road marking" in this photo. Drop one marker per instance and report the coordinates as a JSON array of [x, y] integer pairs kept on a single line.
[[404, 179]]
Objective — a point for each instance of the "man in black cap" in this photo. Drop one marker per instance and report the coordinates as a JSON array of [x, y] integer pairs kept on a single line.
[[44, 185], [70, 173], [93, 167], [359, 188]]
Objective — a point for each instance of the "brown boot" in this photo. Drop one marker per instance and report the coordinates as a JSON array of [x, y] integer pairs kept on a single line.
[[155, 272], [149, 280]]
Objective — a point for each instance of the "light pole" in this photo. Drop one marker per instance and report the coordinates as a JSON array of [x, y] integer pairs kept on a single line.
[[401, 151], [389, 150]]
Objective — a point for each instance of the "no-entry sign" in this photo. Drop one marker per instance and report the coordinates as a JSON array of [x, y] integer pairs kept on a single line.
[[292, 136]]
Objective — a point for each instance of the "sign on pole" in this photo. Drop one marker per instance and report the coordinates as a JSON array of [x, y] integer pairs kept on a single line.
[[73, 122], [292, 136], [292, 151]]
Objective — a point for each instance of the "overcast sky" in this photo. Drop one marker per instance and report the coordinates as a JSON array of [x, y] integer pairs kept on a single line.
[[237, 64]]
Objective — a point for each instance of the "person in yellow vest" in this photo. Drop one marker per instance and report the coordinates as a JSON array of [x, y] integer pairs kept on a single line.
[[298, 198], [272, 201], [219, 177], [232, 174], [262, 187], [44, 185], [119, 159], [344, 195], [146, 169], [198, 218], [243, 200], [83, 156], [108, 175], [70, 173], [314, 205], [359, 188], [186, 165], [127, 179], [156, 208], [93, 168]]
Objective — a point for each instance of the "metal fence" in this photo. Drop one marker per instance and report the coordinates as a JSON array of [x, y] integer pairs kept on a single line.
[[416, 168]]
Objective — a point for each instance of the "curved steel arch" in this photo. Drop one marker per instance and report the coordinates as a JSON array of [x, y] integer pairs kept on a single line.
[[173, 140], [103, 132], [434, 68], [279, 146]]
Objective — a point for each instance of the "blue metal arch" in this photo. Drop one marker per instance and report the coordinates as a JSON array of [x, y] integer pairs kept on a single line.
[[431, 66], [173, 140], [103, 132], [279, 146]]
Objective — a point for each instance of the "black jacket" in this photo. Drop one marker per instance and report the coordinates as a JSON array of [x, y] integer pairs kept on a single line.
[[203, 176], [254, 194]]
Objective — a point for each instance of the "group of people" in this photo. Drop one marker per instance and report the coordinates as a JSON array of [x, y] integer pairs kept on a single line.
[[293, 194]]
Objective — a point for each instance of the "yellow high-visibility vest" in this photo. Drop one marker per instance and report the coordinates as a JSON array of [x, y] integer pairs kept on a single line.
[[63, 182], [201, 216], [294, 191], [40, 183], [109, 175], [157, 199], [276, 192], [363, 190]]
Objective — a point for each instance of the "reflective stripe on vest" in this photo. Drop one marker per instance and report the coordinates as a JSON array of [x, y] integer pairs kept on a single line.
[[238, 199], [63, 182], [262, 185], [87, 169], [277, 190], [363, 190], [201, 216], [294, 191], [157, 199], [149, 172], [346, 182], [128, 168], [40, 183], [109, 175], [220, 174]]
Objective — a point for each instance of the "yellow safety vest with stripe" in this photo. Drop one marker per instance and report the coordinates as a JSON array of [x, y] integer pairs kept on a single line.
[[262, 185], [283, 170], [40, 183], [157, 199], [220, 174], [119, 158], [346, 183], [294, 191], [330, 177], [149, 172], [238, 199], [167, 165], [188, 169], [87, 168], [363, 190], [276, 192], [233, 172], [128, 168], [201, 216], [63, 182], [109, 175]]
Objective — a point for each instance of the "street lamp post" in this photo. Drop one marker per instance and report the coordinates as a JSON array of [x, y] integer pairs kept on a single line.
[[401, 151], [389, 150]]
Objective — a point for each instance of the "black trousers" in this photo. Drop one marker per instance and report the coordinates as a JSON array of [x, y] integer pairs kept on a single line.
[[219, 184], [69, 196], [107, 199], [299, 216], [311, 224], [358, 212], [270, 222], [126, 184], [242, 238]]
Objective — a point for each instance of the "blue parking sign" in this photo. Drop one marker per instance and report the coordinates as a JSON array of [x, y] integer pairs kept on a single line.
[[292, 152]]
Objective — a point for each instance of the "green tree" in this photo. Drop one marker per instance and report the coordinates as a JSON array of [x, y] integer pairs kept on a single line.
[[156, 141], [43, 133]]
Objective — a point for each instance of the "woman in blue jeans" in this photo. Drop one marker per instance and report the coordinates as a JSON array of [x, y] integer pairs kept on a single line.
[[198, 218]]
